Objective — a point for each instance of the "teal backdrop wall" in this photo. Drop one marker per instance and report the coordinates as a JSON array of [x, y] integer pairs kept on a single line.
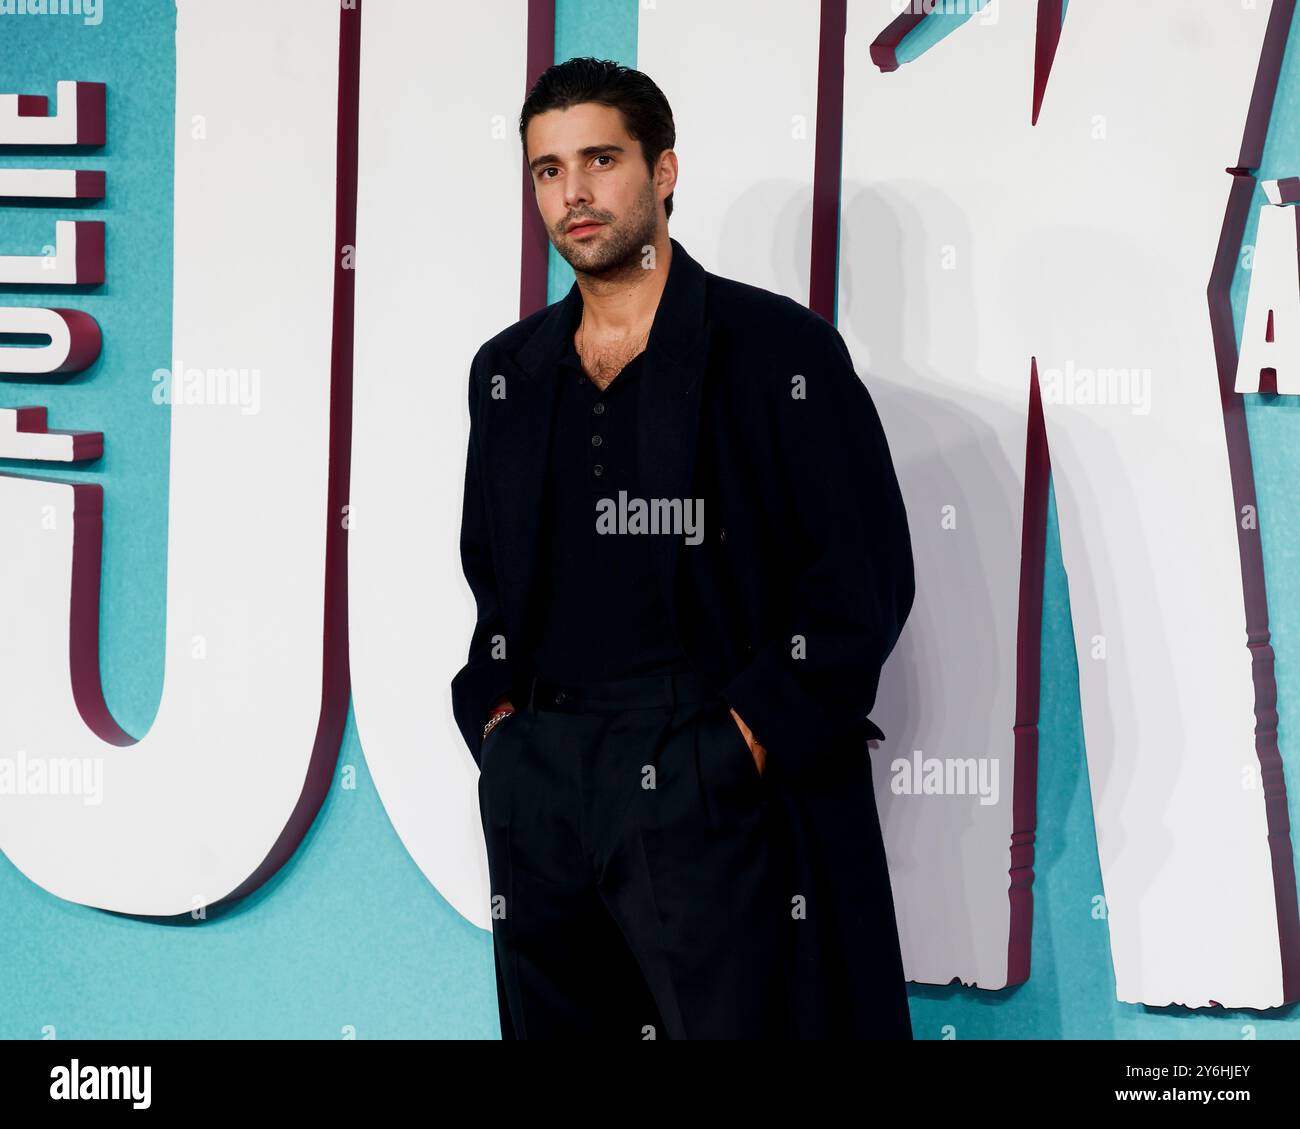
[[349, 939]]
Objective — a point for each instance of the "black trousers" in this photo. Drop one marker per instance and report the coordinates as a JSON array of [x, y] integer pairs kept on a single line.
[[635, 891]]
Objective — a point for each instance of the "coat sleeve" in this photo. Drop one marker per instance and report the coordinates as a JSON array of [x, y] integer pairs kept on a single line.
[[486, 674], [849, 551]]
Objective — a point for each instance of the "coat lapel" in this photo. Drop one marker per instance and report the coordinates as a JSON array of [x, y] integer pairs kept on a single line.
[[517, 429]]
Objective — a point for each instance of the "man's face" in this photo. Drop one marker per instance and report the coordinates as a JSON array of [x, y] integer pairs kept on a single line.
[[586, 167]]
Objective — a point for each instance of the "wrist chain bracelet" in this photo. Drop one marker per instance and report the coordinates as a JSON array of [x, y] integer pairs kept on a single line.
[[494, 721]]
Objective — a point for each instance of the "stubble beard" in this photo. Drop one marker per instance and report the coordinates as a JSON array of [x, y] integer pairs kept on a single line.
[[617, 252]]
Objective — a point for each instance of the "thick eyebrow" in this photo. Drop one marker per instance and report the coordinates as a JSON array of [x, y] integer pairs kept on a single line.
[[587, 151]]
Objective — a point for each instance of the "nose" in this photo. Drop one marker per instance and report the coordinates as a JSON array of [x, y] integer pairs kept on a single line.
[[577, 190]]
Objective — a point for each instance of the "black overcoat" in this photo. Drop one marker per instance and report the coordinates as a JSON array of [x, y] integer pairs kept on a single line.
[[790, 603]]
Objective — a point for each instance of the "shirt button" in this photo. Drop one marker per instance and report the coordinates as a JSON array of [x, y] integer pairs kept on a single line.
[[596, 440], [598, 469], [599, 409]]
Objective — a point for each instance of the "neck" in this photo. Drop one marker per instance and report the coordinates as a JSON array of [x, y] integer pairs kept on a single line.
[[622, 305]]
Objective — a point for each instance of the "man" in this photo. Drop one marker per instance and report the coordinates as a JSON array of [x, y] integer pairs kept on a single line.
[[690, 559]]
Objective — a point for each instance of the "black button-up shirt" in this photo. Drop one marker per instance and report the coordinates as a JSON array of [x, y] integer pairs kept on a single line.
[[599, 613]]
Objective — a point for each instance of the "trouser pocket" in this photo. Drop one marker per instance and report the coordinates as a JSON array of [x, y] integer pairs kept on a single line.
[[498, 760], [726, 763]]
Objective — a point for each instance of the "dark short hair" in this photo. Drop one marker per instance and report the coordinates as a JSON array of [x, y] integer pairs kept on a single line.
[[646, 114]]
